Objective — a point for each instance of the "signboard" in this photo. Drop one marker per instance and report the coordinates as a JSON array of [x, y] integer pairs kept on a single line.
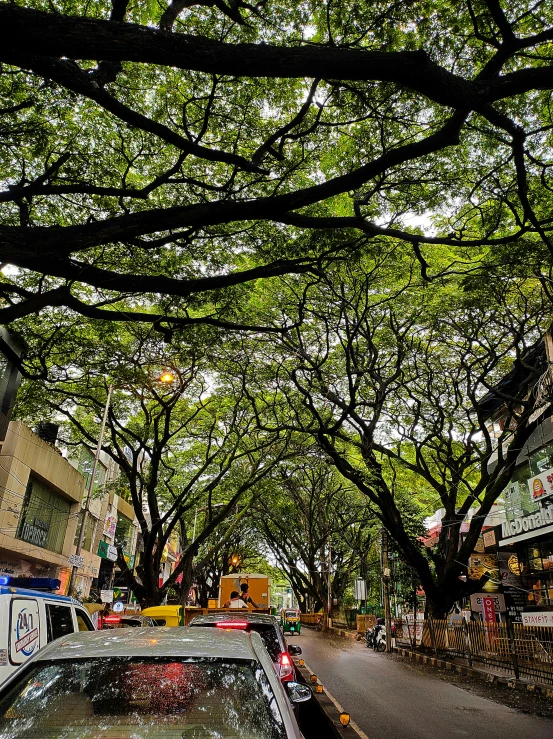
[[110, 525], [479, 546], [488, 538], [25, 630], [360, 589], [538, 619], [477, 598], [106, 596], [118, 607], [522, 526], [515, 594], [107, 551], [75, 560], [488, 610], [541, 486], [485, 564]]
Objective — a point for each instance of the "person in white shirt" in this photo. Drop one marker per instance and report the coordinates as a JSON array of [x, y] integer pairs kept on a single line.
[[235, 601]]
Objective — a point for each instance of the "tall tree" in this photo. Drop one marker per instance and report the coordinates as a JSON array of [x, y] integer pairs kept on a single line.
[[157, 157], [180, 446], [385, 383], [318, 528]]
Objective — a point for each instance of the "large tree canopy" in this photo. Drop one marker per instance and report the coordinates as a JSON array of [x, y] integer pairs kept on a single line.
[[158, 157]]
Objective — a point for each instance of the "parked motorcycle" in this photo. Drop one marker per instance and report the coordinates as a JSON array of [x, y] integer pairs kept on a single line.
[[376, 638]]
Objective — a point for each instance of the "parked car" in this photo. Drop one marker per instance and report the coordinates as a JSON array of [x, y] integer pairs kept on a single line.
[[268, 629], [166, 683], [31, 617]]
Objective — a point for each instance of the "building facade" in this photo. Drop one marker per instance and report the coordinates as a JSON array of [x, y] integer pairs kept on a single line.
[[40, 502]]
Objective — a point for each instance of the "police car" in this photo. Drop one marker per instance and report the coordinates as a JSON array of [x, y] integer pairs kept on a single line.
[[31, 616]]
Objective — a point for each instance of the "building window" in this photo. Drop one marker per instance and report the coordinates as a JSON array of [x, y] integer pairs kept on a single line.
[[536, 558], [541, 460], [86, 463], [44, 516], [517, 496], [124, 532]]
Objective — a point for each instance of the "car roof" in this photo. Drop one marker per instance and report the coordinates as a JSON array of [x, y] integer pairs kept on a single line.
[[251, 618], [164, 641], [8, 590]]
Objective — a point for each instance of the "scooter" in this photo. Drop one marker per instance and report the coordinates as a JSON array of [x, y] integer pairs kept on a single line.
[[378, 641]]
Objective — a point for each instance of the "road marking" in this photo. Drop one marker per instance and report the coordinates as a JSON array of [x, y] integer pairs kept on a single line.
[[338, 706]]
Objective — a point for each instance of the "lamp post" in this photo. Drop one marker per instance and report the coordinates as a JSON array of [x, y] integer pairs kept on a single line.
[[166, 378]]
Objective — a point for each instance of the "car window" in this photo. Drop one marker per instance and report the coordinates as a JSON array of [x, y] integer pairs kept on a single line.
[[269, 636], [150, 698], [59, 621], [83, 621]]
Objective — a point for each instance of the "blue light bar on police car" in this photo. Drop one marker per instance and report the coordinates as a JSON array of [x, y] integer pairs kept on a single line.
[[32, 583]]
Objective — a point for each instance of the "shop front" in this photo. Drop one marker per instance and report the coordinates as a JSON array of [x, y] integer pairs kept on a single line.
[[525, 538]]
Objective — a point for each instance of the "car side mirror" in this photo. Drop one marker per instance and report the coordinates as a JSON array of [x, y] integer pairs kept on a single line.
[[297, 692], [294, 650]]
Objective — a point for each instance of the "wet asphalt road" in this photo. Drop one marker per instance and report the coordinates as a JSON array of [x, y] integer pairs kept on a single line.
[[389, 700]]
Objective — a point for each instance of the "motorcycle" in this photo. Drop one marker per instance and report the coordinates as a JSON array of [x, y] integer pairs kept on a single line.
[[376, 638]]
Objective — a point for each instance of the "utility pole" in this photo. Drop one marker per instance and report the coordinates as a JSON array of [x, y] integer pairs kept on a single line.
[[86, 509], [386, 583], [329, 598]]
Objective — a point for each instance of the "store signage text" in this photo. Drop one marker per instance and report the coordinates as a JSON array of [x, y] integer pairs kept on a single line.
[[538, 619], [527, 523]]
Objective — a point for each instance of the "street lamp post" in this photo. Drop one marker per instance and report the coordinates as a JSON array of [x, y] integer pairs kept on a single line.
[[86, 509]]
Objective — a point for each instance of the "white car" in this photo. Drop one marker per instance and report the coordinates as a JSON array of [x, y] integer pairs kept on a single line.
[[30, 619], [166, 683]]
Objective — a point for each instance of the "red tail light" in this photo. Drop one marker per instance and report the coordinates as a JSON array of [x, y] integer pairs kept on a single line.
[[232, 624], [112, 619], [286, 667]]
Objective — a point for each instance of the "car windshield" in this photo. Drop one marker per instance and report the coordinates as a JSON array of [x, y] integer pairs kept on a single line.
[[139, 698], [291, 614]]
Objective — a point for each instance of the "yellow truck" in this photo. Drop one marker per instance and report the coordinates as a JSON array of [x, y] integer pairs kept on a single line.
[[259, 589]]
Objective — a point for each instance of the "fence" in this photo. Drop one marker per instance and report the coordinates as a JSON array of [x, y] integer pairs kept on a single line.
[[525, 651]]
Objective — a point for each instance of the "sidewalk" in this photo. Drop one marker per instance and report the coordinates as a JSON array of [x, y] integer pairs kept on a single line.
[[461, 666], [490, 674]]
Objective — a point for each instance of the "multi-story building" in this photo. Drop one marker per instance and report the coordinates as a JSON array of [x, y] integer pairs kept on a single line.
[[525, 536], [40, 502], [111, 522]]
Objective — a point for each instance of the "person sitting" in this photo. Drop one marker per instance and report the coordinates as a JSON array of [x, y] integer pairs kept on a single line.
[[235, 601], [245, 596]]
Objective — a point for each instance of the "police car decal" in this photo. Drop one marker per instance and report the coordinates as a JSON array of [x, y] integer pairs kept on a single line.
[[25, 629]]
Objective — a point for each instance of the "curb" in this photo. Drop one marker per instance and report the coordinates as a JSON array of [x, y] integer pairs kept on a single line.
[[545, 691], [330, 708]]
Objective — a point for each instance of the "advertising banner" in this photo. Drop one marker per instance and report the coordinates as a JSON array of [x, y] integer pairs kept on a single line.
[[110, 525], [541, 486], [476, 602], [488, 610]]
